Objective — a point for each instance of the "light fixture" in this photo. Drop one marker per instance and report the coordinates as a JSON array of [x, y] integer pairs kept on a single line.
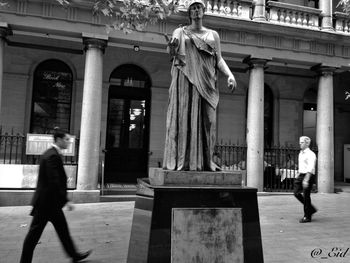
[[136, 48]]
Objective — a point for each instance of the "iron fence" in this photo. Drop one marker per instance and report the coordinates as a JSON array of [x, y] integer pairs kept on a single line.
[[13, 150], [280, 164]]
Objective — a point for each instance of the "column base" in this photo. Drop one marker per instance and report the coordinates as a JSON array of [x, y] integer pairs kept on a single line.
[[259, 19]]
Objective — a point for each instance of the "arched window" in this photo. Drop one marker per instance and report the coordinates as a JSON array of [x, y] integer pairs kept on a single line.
[[130, 75], [52, 97]]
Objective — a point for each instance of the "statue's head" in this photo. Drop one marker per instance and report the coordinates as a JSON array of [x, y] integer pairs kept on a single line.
[[192, 2]]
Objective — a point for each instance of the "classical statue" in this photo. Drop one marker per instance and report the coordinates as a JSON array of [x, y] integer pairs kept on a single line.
[[193, 94]]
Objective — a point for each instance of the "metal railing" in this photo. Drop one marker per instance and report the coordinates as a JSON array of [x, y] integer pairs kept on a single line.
[[280, 163], [13, 150]]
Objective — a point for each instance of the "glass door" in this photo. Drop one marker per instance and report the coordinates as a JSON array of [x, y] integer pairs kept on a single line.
[[127, 135]]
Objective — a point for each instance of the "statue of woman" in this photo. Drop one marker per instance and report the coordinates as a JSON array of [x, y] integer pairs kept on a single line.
[[193, 94]]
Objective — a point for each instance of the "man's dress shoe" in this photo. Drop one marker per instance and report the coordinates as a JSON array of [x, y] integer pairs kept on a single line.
[[81, 256], [305, 220]]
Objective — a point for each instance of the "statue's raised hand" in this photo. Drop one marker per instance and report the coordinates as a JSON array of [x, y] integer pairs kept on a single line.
[[172, 45]]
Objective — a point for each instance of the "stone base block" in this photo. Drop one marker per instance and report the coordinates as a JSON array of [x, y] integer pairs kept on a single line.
[[15, 197], [158, 176], [24, 197], [84, 196], [151, 232]]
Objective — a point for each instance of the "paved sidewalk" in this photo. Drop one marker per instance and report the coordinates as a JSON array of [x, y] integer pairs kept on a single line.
[[105, 227]]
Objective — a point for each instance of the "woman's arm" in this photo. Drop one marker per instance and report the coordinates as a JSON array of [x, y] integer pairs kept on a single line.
[[222, 66]]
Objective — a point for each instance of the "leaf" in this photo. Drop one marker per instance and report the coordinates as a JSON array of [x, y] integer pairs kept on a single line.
[[106, 12], [131, 15]]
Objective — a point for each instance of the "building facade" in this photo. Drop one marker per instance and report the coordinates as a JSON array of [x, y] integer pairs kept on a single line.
[[61, 67]]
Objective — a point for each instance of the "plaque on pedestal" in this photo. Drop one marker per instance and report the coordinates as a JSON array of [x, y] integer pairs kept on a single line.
[[206, 235], [151, 234]]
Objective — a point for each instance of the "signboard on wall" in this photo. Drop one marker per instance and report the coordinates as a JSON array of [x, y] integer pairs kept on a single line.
[[37, 144]]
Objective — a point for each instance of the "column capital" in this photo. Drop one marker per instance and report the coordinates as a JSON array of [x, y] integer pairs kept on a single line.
[[255, 61], [324, 70], [94, 41], [5, 30]]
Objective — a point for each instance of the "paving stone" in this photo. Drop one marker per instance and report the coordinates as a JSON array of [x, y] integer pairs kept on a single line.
[[105, 228]]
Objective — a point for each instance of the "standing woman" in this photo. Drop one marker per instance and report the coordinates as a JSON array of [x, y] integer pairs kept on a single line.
[[193, 94]]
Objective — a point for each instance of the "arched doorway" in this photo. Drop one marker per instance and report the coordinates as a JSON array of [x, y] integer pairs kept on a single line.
[[52, 97], [128, 121]]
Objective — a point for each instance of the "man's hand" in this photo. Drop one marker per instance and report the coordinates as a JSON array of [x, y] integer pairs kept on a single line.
[[306, 180], [70, 206], [305, 184], [231, 83]]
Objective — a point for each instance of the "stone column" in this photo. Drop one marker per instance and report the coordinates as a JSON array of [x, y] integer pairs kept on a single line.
[[259, 10], [89, 145], [255, 124], [326, 7], [4, 32], [325, 130]]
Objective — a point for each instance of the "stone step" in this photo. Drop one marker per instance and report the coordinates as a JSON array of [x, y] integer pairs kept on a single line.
[[119, 191], [117, 198]]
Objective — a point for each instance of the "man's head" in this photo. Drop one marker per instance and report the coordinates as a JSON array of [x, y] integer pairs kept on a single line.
[[61, 138], [304, 142]]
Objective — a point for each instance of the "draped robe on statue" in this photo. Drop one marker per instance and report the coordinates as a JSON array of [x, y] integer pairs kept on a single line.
[[193, 98]]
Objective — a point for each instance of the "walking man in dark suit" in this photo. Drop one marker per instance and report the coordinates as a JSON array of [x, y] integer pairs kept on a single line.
[[303, 183], [49, 198]]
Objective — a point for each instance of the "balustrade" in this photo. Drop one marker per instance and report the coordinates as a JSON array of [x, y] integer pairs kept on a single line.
[[230, 8], [227, 8], [293, 15], [342, 22]]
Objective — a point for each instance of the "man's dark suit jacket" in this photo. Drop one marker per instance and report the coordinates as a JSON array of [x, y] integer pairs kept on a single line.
[[51, 190]]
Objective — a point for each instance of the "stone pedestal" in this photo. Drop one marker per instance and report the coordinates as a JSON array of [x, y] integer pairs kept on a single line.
[[161, 210]]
